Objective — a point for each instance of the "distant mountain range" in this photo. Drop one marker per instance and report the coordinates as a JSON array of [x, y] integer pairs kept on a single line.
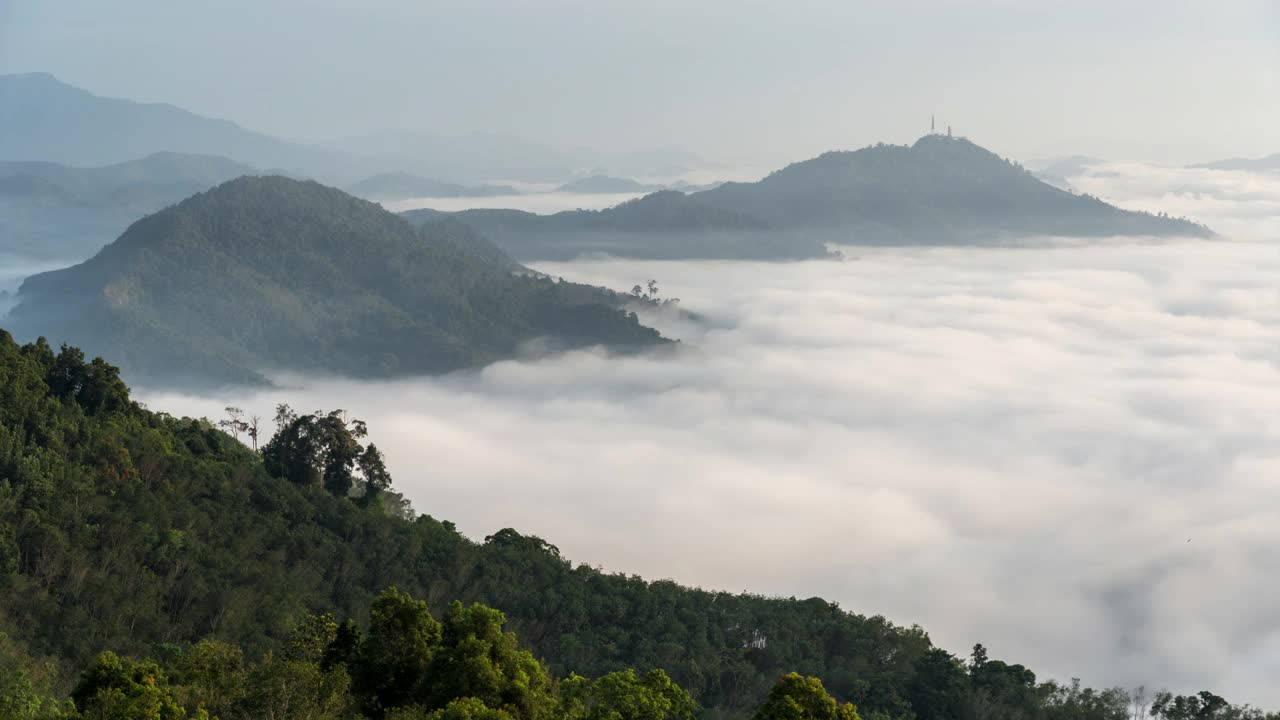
[[665, 224], [939, 191], [50, 211], [401, 185], [1268, 164], [268, 273], [607, 184], [45, 119]]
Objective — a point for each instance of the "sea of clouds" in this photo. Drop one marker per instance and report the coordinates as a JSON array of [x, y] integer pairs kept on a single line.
[[1066, 452]]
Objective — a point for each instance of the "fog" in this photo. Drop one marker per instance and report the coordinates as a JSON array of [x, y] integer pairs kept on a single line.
[[1065, 451], [13, 270], [1187, 81], [543, 203]]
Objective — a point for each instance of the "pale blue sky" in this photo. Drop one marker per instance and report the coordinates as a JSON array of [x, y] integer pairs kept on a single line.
[[733, 79]]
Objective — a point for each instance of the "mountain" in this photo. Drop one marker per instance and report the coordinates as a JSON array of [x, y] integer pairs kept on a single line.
[[50, 211], [129, 530], [45, 119], [268, 273], [1268, 164], [606, 184], [401, 185], [941, 190], [662, 225]]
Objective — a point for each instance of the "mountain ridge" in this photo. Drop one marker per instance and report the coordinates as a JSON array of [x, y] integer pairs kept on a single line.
[[268, 273]]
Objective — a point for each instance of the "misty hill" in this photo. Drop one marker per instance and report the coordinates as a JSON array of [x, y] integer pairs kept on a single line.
[[272, 273], [662, 225], [47, 120], [606, 184], [1270, 163], [50, 211], [130, 530], [400, 185], [941, 190]]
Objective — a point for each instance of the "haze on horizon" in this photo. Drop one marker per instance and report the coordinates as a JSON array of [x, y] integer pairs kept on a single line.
[[735, 82]]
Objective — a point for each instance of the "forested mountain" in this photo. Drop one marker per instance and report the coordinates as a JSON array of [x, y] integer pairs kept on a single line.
[[941, 190], [134, 532], [665, 224], [50, 211], [272, 273], [399, 185], [45, 119]]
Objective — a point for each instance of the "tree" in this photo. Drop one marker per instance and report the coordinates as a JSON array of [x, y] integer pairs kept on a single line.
[[393, 659], [796, 697], [625, 696], [938, 688], [116, 688], [478, 659], [234, 424], [324, 449]]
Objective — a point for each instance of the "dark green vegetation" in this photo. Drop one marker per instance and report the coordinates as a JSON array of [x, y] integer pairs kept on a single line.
[[271, 273], [940, 191], [141, 535], [56, 212], [663, 225], [398, 185]]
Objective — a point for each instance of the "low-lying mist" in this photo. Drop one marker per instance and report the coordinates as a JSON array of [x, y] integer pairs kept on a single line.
[[1068, 453], [1006, 446]]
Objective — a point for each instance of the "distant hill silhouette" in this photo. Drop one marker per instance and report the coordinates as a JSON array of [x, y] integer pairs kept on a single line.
[[50, 211], [401, 185], [1270, 163], [277, 274], [45, 119], [941, 190], [606, 184], [666, 224]]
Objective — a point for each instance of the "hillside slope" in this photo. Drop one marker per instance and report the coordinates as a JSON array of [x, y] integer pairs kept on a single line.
[[267, 273], [130, 530], [941, 190]]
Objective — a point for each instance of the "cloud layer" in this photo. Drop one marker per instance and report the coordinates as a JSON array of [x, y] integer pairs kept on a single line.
[[1006, 446], [1067, 453]]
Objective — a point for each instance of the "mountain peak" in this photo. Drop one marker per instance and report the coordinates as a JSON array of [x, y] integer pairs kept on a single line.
[[267, 272]]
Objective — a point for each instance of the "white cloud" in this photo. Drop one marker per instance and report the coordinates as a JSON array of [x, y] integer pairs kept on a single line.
[[1010, 446], [1006, 446]]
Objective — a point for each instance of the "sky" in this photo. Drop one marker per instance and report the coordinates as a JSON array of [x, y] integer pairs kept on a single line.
[[733, 80], [1066, 451]]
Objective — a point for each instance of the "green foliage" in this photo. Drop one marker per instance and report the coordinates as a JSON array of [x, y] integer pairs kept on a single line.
[[796, 697], [324, 450], [391, 665], [116, 688], [625, 696]]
